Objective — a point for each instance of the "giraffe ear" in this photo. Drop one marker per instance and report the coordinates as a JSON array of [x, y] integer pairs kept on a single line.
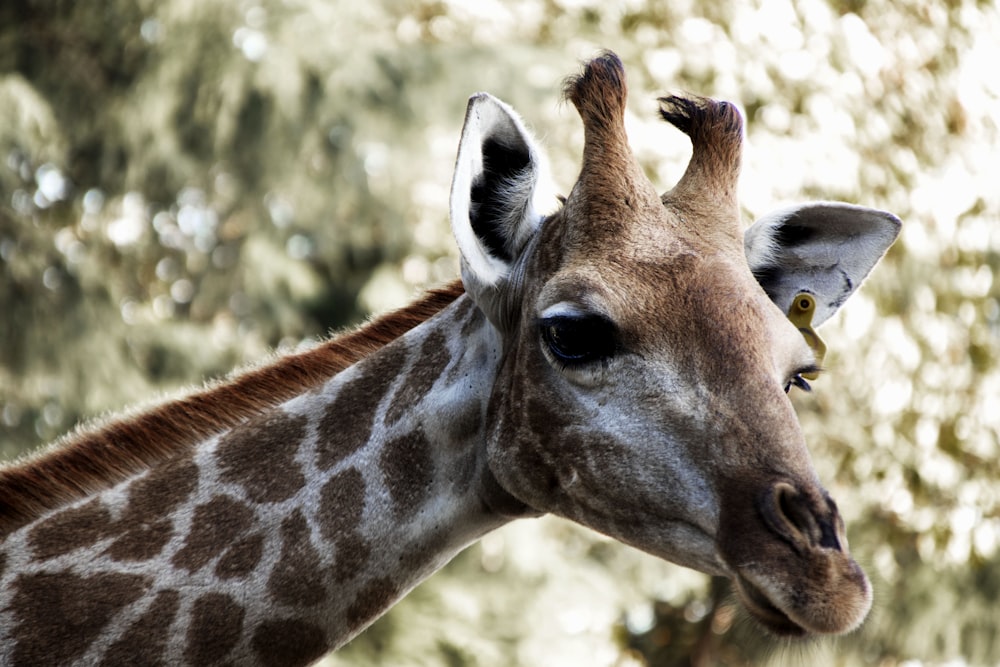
[[497, 172], [821, 248]]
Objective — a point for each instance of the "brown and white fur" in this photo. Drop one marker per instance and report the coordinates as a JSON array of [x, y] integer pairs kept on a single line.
[[622, 363]]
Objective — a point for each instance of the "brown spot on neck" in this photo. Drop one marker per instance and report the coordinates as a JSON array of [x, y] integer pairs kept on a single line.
[[161, 491], [409, 472], [342, 503], [241, 559], [146, 523], [142, 541], [59, 615], [288, 642], [260, 456], [433, 359], [70, 529], [374, 597], [347, 424], [215, 626], [352, 553], [215, 525], [142, 530], [297, 578]]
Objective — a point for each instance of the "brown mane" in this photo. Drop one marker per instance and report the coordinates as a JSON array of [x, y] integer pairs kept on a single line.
[[98, 458]]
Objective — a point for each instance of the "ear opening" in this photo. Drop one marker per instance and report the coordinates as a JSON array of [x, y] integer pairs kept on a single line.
[[501, 195], [493, 211], [821, 248]]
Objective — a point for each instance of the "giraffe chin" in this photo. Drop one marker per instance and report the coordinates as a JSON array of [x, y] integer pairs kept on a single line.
[[762, 609], [837, 619]]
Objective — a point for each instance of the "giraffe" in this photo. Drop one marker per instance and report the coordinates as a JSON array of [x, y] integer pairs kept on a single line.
[[623, 362]]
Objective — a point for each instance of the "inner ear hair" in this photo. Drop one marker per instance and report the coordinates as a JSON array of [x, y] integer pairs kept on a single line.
[[501, 194]]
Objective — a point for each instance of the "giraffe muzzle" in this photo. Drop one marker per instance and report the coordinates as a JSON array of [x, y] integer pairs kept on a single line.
[[790, 562]]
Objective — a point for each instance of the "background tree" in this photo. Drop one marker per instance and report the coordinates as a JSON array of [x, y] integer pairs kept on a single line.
[[185, 186]]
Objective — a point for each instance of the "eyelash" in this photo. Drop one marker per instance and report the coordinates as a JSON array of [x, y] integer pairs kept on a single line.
[[799, 381]]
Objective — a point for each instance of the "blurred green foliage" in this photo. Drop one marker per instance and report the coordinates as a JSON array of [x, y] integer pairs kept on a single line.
[[186, 185]]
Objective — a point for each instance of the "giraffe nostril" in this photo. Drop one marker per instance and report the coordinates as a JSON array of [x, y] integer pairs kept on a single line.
[[801, 517]]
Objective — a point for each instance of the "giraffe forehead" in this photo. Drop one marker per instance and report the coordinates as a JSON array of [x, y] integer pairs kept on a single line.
[[635, 243], [651, 286], [618, 213]]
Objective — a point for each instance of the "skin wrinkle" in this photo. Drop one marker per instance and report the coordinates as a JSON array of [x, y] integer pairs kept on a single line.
[[466, 424], [469, 313]]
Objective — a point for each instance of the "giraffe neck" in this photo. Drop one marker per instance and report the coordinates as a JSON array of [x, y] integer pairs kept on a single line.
[[281, 538]]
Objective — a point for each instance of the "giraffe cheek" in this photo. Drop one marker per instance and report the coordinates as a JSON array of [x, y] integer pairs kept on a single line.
[[521, 471], [534, 442]]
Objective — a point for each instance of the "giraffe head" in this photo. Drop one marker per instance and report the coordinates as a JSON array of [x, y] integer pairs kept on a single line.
[[647, 353]]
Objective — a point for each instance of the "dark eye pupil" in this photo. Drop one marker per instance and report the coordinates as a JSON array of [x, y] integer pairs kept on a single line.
[[579, 339], [567, 340]]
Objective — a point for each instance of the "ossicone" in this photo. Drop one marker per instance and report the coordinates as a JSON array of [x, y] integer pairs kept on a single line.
[[716, 132], [600, 91]]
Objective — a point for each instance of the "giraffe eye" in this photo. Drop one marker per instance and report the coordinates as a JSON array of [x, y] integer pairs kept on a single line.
[[576, 340]]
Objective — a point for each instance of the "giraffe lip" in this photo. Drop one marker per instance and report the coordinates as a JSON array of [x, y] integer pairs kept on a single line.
[[761, 607]]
